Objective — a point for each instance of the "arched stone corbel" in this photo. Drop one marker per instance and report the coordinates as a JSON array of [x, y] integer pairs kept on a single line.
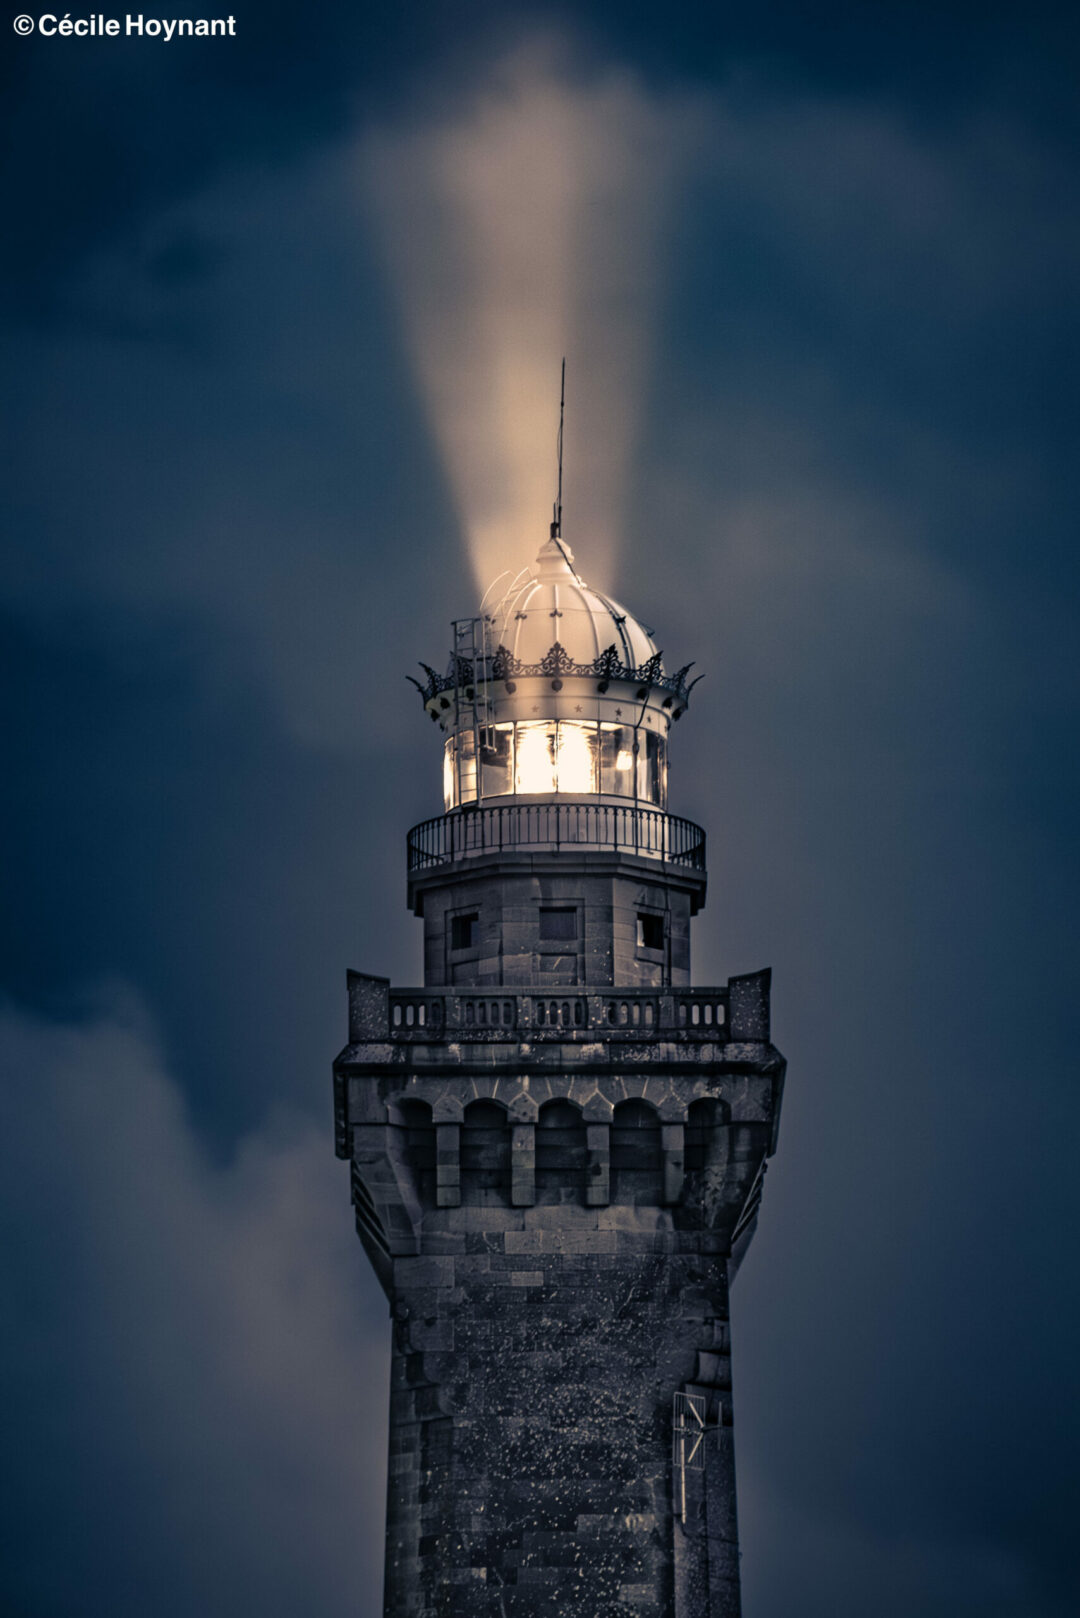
[[521, 1107], [597, 1109], [447, 1108]]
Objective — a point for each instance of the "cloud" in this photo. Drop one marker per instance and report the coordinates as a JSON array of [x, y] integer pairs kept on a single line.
[[187, 1349], [232, 457]]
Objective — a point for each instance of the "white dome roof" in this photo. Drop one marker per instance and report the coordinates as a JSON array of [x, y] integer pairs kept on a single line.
[[556, 604], [553, 648]]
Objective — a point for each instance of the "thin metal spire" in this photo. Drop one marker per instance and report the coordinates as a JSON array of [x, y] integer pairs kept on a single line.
[[556, 525]]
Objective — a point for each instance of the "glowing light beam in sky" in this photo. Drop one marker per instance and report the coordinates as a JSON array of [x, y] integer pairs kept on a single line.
[[520, 225]]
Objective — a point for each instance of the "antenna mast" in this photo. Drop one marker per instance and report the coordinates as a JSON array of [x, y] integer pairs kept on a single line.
[[556, 525]]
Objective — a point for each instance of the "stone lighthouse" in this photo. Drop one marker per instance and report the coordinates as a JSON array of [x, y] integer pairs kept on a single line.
[[557, 1143]]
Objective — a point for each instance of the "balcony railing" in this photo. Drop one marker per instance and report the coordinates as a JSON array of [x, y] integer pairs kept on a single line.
[[467, 833], [493, 1014]]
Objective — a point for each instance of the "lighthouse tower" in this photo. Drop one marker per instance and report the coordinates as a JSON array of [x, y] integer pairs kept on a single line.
[[557, 1144]]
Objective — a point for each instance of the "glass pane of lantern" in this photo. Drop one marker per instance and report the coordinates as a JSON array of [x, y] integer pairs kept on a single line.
[[466, 760], [617, 760], [449, 776], [658, 757], [649, 766], [576, 757], [534, 757], [497, 759]]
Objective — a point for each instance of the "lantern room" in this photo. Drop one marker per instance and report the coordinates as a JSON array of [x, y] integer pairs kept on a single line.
[[555, 692]]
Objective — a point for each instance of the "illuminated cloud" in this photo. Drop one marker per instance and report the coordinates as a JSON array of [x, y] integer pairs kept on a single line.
[[521, 226]]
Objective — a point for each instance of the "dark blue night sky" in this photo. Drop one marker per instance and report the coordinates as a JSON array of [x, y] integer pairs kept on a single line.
[[273, 312]]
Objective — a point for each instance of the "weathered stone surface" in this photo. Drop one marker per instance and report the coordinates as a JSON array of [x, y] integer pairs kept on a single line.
[[541, 1442], [556, 1146], [606, 894]]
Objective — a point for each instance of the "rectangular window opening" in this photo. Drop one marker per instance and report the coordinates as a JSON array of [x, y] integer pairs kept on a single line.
[[650, 931], [463, 930], [557, 925]]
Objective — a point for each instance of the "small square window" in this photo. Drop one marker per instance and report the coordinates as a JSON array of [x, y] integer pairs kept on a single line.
[[650, 931], [463, 931], [558, 926]]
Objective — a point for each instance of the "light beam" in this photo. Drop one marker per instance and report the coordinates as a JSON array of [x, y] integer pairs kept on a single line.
[[521, 225]]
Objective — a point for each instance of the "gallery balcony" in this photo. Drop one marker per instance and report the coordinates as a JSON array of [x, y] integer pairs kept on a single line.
[[529, 828]]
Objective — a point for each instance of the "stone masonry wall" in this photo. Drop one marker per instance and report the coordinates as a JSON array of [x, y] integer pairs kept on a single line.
[[555, 1211], [507, 946], [536, 1353]]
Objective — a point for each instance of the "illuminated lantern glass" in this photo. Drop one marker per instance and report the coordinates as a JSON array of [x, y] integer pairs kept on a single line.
[[538, 757], [497, 760], [448, 783], [459, 770], [535, 762], [617, 760], [650, 768], [577, 757]]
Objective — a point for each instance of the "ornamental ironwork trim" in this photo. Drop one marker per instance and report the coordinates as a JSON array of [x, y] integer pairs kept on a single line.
[[557, 663]]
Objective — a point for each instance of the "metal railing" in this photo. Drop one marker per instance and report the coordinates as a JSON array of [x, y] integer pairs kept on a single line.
[[466, 833]]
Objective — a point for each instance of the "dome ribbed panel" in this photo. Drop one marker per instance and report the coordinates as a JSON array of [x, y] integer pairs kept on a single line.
[[585, 623]]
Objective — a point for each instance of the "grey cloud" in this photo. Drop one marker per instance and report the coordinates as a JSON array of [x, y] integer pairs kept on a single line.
[[963, 216], [245, 457], [188, 1349]]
